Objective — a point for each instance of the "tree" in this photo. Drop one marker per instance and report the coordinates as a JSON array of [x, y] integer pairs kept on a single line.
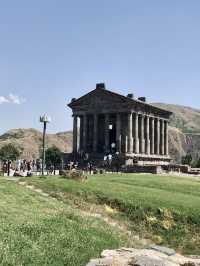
[[53, 157], [197, 165], [9, 152], [187, 159]]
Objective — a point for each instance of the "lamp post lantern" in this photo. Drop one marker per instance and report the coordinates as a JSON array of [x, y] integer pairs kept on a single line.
[[44, 119]]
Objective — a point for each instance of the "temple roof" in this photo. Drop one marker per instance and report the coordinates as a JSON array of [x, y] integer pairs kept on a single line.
[[101, 98]]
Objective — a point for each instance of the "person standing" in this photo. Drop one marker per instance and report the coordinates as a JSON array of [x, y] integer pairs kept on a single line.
[[109, 159], [9, 167]]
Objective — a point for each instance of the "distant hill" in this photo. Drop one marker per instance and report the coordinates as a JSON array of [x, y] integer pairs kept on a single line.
[[184, 132], [31, 141], [185, 118]]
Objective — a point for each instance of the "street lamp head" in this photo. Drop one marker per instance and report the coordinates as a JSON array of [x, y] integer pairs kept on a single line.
[[45, 119]]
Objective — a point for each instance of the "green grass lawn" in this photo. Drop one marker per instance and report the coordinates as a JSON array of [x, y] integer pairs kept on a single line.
[[165, 209], [37, 230]]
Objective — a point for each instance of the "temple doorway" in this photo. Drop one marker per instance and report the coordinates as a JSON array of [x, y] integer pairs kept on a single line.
[[112, 137]]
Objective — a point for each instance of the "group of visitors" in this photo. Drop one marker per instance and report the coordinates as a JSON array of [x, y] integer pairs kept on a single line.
[[21, 167], [112, 161], [108, 160]]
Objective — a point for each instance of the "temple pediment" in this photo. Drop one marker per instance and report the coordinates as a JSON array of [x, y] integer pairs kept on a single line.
[[102, 100]]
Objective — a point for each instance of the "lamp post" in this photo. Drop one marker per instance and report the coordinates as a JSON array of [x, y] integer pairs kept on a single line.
[[44, 119]]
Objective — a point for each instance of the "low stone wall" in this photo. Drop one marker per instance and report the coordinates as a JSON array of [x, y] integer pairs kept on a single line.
[[153, 256], [153, 169]]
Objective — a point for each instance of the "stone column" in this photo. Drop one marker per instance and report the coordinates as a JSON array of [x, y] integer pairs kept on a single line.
[[75, 133], [95, 133], [118, 132], [107, 120], [136, 134], [81, 134], [152, 136], [142, 140], [162, 137], [85, 133], [130, 133], [158, 137], [147, 136], [126, 143], [166, 139]]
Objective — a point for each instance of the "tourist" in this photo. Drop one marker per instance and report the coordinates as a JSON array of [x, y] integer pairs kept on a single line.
[[86, 156], [117, 162], [18, 165], [113, 146], [33, 165], [38, 166], [29, 166], [5, 167], [9, 167], [109, 159], [105, 158], [89, 167]]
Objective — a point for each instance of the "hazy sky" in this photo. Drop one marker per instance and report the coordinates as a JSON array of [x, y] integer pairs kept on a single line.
[[52, 51]]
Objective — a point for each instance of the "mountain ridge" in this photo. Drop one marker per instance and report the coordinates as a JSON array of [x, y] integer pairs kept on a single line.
[[186, 118], [30, 140]]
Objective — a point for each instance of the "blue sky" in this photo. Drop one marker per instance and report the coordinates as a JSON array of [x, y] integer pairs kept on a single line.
[[52, 51]]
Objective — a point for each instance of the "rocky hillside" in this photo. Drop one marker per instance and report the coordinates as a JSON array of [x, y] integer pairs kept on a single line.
[[185, 118], [31, 141], [184, 133]]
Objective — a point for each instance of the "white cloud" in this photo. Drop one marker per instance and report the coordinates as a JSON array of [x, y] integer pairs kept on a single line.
[[15, 99], [12, 99], [3, 100]]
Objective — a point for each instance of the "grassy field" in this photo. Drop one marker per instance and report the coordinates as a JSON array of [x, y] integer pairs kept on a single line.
[[55, 230], [38, 230], [162, 208]]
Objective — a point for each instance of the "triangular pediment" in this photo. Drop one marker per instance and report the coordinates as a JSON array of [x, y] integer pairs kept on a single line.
[[100, 98], [103, 101]]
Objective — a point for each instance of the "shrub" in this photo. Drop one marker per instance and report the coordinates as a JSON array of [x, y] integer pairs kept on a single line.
[[187, 159], [74, 174]]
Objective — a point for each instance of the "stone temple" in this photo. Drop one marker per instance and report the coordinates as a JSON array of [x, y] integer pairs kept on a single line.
[[105, 120]]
